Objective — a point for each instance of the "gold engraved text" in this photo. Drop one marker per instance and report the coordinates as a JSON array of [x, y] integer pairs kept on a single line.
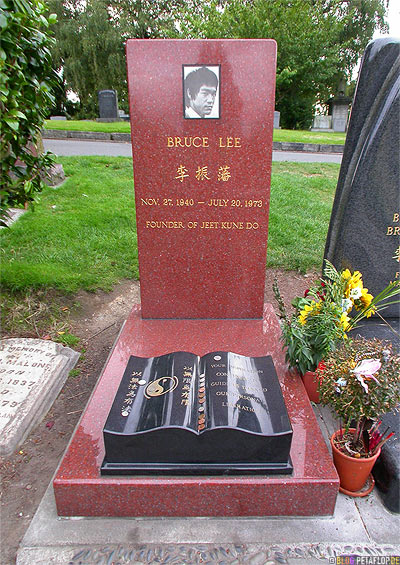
[[229, 142], [187, 141], [162, 224]]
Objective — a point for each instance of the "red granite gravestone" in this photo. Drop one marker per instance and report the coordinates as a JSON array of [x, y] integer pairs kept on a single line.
[[202, 183], [202, 120]]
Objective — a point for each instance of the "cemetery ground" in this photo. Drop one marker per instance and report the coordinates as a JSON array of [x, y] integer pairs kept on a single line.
[[70, 274], [284, 135]]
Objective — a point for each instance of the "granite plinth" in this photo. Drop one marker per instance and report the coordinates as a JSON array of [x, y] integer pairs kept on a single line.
[[365, 227], [202, 185], [311, 490]]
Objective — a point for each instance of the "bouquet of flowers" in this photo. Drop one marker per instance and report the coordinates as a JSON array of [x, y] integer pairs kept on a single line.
[[328, 311], [361, 381]]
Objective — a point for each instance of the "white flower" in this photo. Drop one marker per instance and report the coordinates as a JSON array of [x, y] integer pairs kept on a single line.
[[355, 293], [341, 382], [366, 370], [346, 304]]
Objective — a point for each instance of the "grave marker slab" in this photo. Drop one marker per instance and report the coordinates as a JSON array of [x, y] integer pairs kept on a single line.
[[202, 115], [364, 231], [365, 228], [202, 174], [183, 414], [32, 373], [108, 104]]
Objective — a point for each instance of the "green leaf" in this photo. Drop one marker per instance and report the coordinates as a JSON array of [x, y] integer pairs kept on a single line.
[[13, 124], [44, 21], [18, 114], [3, 21]]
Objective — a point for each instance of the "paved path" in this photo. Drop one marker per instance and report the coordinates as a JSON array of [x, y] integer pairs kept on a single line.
[[112, 148], [359, 526]]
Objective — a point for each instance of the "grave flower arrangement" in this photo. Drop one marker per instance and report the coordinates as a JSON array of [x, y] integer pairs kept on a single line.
[[326, 313], [361, 381]]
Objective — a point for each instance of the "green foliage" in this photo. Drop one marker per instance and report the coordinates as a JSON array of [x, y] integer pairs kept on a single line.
[[308, 343], [322, 316], [296, 112], [68, 339], [26, 82], [319, 42], [90, 47]]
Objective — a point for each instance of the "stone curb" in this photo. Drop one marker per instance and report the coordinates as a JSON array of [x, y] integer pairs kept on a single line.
[[186, 554], [126, 138]]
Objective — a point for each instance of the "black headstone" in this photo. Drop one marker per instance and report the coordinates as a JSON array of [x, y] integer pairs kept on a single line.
[[365, 227], [181, 414], [108, 104], [387, 469], [364, 230]]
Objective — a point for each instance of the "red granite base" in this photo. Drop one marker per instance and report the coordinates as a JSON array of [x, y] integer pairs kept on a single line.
[[80, 490]]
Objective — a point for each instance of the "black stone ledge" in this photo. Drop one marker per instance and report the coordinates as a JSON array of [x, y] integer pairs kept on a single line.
[[126, 137]]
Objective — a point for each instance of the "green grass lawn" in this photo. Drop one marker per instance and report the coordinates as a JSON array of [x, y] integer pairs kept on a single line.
[[82, 234], [300, 208], [88, 125], [305, 136], [124, 127]]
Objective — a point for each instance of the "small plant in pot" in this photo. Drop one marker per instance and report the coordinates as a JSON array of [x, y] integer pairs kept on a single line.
[[322, 318], [361, 382]]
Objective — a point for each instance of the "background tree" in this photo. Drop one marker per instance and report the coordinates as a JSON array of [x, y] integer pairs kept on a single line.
[[319, 42], [26, 82], [91, 36]]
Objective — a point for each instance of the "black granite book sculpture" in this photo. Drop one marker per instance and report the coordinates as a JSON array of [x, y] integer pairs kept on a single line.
[[184, 414]]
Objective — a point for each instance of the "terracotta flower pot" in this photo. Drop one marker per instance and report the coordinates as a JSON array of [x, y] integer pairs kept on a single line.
[[353, 473], [310, 382]]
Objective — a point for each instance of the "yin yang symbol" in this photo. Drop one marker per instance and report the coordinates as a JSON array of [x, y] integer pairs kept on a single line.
[[160, 386]]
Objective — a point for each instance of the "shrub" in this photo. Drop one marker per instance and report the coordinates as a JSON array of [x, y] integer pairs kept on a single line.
[[360, 381], [26, 82]]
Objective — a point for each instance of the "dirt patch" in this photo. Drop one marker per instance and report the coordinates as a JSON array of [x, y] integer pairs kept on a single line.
[[97, 322]]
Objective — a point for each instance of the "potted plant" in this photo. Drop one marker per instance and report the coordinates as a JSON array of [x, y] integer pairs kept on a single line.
[[361, 382], [323, 316]]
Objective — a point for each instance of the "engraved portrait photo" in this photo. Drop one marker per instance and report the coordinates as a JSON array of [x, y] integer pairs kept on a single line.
[[201, 88]]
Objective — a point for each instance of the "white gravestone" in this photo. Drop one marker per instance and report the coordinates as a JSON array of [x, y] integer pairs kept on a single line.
[[32, 373]]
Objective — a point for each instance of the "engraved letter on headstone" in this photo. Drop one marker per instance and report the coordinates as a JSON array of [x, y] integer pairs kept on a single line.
[[32, 373]]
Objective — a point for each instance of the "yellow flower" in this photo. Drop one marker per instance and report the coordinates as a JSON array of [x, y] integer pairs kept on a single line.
[[304, 314], [353, 285], [366, 300], [302, 318], [308, 309], [357, 276], [344, 321]]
